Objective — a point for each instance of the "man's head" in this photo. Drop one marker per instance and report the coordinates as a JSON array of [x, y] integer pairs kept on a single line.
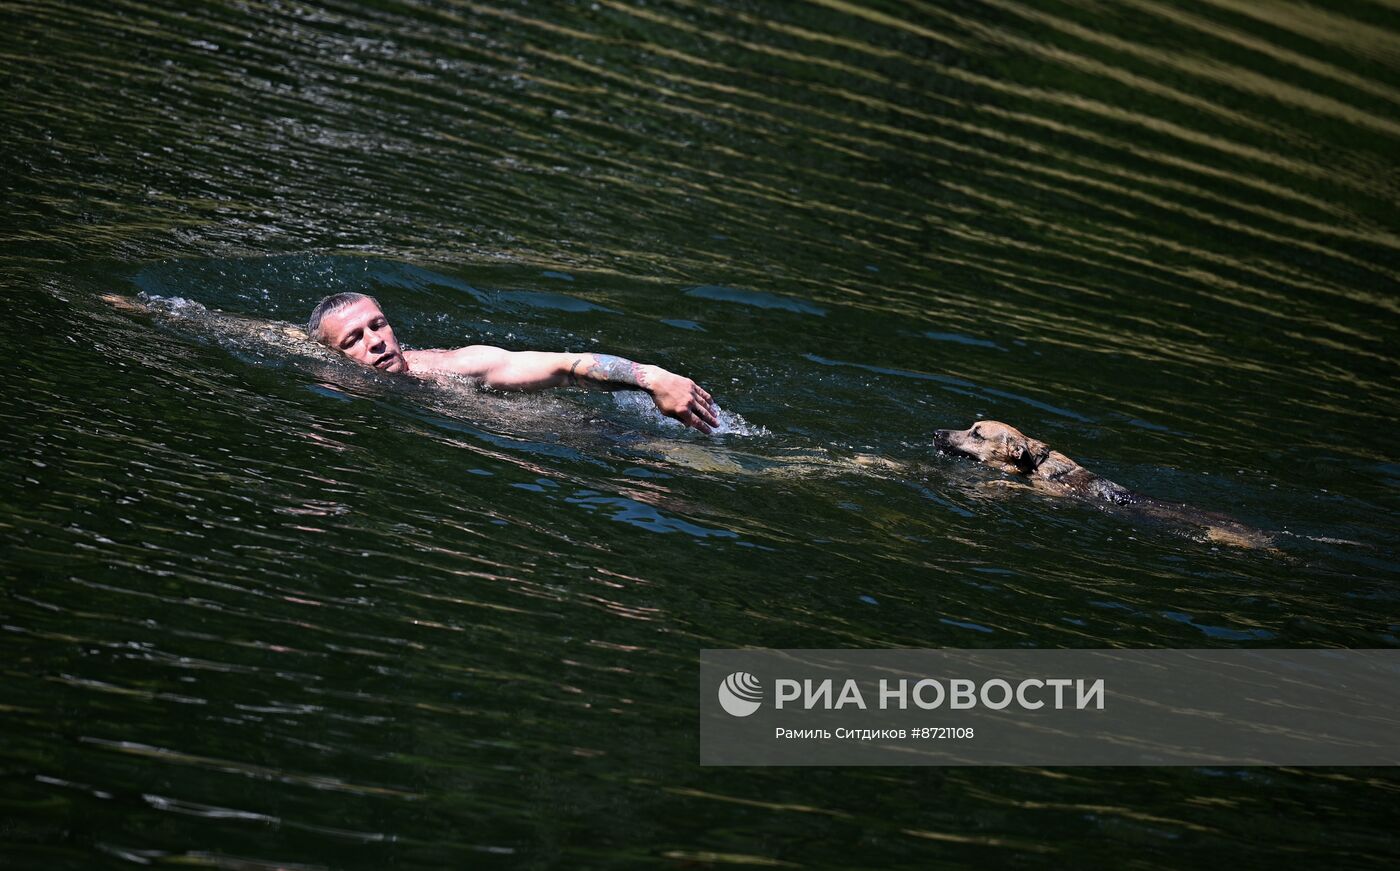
[[354, 325]]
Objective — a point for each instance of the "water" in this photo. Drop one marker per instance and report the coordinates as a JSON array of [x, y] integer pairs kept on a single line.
[[261, 610]]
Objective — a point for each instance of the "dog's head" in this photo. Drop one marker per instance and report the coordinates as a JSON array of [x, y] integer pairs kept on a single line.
[[996, 444]]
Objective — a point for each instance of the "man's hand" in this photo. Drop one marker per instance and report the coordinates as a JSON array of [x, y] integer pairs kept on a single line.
[[125, 303], [678, 397]]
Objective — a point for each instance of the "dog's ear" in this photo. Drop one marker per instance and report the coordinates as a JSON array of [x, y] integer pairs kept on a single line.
[[1031, 454]]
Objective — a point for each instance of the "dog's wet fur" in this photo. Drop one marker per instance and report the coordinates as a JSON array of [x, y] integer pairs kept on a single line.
[[1007, 449]]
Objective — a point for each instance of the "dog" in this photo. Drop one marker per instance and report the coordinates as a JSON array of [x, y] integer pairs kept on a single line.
[[1007, 449]]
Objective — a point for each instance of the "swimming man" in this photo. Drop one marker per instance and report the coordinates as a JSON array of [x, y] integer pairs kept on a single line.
[[354, 325]]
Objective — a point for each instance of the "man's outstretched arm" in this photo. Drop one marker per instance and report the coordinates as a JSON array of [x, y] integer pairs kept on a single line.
[[675, 395], [138, 305]]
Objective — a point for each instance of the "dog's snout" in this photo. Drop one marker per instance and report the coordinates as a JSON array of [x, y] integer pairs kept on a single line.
[[940, 437]]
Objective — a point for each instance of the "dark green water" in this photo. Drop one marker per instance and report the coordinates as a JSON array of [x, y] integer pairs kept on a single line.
[[260, 610]]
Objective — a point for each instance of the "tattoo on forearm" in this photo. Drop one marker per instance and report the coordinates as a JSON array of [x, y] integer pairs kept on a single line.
[[607, 372]]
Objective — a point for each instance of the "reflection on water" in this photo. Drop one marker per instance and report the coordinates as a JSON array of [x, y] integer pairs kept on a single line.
[[261, 609]]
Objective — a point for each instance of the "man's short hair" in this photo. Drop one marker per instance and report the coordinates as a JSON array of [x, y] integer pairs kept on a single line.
[[332, 303]]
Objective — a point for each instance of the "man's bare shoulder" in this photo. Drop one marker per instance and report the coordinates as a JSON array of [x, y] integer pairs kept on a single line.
[[473, 360]]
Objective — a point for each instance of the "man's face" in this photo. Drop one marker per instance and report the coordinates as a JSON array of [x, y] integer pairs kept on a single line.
[[361, 332]]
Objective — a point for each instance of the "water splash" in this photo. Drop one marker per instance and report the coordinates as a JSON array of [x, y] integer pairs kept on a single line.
[[730, 423]]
